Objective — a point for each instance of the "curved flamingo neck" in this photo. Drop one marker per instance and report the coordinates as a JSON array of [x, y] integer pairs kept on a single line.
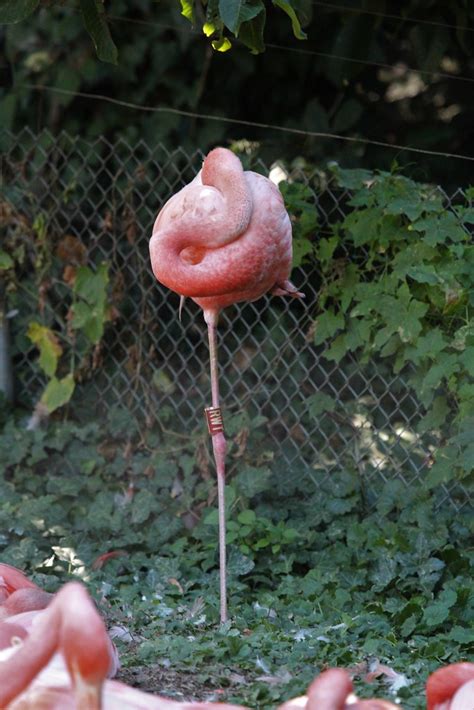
[[204, 217], [223, 170]]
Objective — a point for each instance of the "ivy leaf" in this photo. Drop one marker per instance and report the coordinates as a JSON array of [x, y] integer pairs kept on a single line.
[[12, 11], [443, 369], [89, 314], [95, 21], [436, 416], [48, 345], [467, 359], [327, 325], [436, 613], [6, 262], [363, 224], [338, 349], [252, 481], [427, 346], [239, 564], [353, 179], [320, 403], [442, 470], [425, 274], [58, 392], [287, 7], [461, 634], [440, 228], [143, 505], [301, 248]]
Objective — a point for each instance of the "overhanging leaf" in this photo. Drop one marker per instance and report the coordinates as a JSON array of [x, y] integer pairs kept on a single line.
[[251, 32], [223, 44], [234, 12], [96, 24], [12, 11], [187, 10], [287, 7]]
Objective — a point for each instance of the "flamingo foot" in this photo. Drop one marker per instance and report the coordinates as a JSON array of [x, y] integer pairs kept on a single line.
[[286, 288]]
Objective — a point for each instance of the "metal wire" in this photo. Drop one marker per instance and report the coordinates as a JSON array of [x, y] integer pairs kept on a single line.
[[107, 195], [241, 122]]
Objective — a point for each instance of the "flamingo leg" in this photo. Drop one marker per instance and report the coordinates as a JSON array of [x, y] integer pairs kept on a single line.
[[219, 446]]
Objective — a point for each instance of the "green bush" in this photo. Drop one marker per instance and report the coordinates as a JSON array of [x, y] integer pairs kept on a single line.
[[397, 288]]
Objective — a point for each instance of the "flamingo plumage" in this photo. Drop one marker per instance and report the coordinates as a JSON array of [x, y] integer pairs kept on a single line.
[[34, 676], [451, 688], [333, 690], [224, 238]]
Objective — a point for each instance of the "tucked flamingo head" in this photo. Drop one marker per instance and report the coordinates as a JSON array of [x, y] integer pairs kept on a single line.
[[223, 238], [84, 644], [444, 682]]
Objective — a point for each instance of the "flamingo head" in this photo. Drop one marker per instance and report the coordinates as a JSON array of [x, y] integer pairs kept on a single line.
[[220, 161], [85, 646]]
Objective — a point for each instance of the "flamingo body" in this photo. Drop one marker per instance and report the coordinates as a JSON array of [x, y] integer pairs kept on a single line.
[[224, 238], [12, 579], [333, 690], [445, 688]]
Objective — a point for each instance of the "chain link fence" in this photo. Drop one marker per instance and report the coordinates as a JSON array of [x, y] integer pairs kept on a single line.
[[107, 196]]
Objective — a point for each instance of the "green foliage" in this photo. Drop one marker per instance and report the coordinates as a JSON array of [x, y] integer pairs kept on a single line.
[[58, 392], [89, 311], [72, 319], [12, 11], [243, 18], [397, 288], [323, 571], [332, 84], [95, 22], [315, 580]]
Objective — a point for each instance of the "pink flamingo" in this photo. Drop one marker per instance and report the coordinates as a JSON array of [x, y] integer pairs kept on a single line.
[[18, 593], [222, 239], [451, 688], [34, 677], [333, 690]]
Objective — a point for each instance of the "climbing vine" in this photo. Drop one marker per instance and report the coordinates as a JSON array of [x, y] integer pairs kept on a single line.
[[397, 286]]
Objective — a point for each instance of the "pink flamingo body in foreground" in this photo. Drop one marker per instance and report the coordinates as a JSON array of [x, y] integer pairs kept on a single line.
[[222, 239], [34, 676], [333, 690], [451, 688]]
